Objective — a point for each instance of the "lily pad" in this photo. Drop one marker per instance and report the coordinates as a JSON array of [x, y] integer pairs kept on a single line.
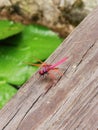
[[9, 28]]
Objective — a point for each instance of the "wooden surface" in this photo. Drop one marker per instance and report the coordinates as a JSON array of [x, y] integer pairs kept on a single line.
[[72, 102]]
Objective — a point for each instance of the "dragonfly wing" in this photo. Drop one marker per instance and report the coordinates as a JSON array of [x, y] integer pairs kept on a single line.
[[55, 73]]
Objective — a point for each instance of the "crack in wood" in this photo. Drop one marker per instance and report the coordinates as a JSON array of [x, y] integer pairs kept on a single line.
[[84, 107], [28, 111], [84, 56], [10, 119]]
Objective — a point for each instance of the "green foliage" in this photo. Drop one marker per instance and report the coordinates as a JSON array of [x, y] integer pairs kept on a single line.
[[17, 51], [6, 92], [9, 28]]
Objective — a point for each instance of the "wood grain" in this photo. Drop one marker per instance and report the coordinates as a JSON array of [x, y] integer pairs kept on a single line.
[[71, 103]]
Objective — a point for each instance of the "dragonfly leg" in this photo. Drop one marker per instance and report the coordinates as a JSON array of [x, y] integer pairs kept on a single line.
[[51, 75], [58, 71]]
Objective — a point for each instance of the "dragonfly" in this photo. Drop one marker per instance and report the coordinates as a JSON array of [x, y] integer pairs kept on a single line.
[[48, 68]]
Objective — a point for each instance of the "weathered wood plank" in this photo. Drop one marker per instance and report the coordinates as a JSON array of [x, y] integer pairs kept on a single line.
[[72, 103]]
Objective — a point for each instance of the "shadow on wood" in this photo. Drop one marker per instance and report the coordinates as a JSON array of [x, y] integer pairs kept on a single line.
[[72, 103]]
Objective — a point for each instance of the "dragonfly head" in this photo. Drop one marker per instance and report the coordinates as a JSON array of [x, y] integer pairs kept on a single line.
[[41, 72]]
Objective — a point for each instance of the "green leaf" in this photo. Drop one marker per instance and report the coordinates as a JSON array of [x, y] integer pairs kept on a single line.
[[6, 93], [9, 28]]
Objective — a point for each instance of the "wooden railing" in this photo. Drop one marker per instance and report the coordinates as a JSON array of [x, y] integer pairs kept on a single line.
[[71, 103]]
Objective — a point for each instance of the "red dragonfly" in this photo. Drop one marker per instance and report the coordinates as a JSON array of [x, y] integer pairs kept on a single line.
[[47, 68]]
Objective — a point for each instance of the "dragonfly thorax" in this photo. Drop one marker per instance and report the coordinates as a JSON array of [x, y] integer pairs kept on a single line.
[[44, 69]]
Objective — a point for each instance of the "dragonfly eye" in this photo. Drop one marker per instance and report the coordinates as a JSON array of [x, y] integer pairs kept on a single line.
[[41, 72]]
